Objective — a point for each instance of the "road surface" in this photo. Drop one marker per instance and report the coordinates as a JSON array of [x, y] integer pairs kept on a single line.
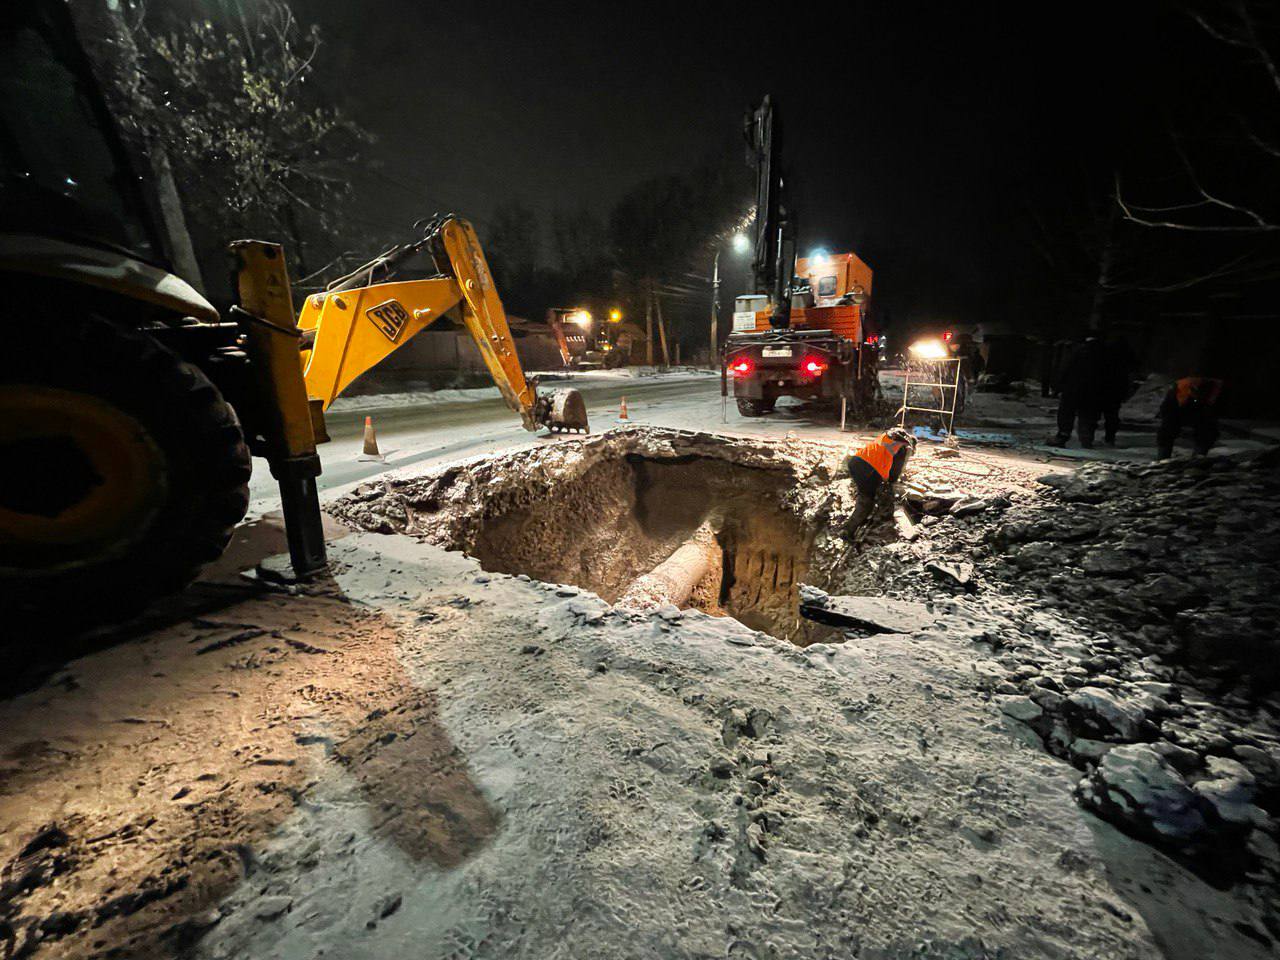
[[420, 435], [420, 431], [417, 434]]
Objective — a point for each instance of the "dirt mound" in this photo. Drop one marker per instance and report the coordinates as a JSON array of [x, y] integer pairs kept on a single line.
[[1130, 613]]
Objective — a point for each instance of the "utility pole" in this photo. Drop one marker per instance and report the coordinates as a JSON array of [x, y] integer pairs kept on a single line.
[[662, 330], [648, 322], [715, 310]]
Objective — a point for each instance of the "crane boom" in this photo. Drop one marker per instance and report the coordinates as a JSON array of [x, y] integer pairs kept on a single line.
[[771, 267]]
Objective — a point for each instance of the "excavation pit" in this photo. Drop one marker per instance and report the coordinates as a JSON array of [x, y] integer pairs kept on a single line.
[[693, 520]]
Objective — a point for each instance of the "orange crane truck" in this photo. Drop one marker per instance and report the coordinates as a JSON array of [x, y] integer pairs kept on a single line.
[[804, 332]]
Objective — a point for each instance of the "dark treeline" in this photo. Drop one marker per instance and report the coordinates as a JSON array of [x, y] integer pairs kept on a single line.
[[1135, 189], [651, 257], [1176, 203], [229, 108]]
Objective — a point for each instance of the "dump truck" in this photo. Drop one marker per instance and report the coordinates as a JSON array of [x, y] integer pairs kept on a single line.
[[803, 331], [587, 342], [130, 406]]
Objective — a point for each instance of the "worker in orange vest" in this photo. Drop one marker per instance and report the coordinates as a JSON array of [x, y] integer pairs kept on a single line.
[[874, 465], [1191, 401]]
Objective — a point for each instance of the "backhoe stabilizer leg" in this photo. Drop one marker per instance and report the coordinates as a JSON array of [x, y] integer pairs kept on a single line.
[[288, 419], [303, 525]]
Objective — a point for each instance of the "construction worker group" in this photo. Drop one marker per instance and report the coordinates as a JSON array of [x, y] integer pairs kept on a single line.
[[1094, 380], [1092, 388]]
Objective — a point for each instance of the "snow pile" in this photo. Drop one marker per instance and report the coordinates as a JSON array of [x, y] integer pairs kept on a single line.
[[1142, 406], [1132, 610], [676, 785]]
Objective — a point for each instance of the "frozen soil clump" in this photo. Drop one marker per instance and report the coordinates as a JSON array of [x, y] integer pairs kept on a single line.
[[1129, 611]]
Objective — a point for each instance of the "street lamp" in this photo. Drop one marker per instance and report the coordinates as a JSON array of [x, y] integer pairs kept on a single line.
[[741, 244]]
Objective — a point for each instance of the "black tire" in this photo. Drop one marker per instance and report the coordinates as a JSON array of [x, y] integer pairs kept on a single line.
[[755, 408], [95, 523], [863, 392]]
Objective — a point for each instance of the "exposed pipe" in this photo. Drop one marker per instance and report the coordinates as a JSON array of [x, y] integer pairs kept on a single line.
[[675, 578]]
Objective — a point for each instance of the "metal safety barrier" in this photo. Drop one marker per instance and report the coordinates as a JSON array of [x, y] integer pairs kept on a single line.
[[943, 385]]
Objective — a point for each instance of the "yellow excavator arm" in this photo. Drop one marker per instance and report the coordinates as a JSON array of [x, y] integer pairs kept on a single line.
[[301, 364], [357, 323]]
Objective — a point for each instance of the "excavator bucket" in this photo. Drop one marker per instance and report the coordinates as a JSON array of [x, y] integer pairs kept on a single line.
[[566, 410]]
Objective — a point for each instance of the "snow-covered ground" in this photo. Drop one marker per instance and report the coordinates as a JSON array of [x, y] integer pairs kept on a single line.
[[476, 765], [581, 379], [675, 785], [422, 758]]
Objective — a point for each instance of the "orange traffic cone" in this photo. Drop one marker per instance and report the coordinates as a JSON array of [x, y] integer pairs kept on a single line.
[[370, 451], [622, 410]]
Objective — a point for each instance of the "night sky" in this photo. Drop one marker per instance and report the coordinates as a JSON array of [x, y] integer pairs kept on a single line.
[[917, 134]]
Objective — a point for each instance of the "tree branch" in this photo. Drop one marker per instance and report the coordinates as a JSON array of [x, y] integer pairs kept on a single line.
[[1210, 198], [1227, 269], [1129, 215], [1255, 43], [1270, 149]]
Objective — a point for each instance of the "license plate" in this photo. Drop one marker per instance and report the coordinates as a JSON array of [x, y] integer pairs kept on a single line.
[[776, 352]]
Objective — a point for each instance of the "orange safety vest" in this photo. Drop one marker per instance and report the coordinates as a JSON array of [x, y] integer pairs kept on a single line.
[[1204, 389], [879, 453]]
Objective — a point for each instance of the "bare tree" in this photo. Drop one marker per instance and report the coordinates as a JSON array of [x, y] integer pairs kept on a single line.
[[661, 229], [253, 149], [1250, 30], [109, 42]]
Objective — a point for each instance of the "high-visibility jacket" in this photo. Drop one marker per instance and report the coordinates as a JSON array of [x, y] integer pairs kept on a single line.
[[880, 453], [1204, 389]]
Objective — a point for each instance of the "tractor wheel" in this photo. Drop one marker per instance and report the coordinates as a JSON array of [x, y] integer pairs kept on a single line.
[[755, 408], [125, 471]]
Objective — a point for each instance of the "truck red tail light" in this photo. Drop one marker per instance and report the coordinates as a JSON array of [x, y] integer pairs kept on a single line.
[[740, 367], [813, 366]]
